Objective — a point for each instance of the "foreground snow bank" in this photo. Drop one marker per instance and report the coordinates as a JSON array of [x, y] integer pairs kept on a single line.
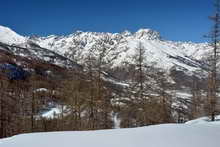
[[169, 135], [203, 120]]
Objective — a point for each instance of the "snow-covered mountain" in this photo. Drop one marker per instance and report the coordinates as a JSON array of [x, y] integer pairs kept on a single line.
[[10, 37], [164, 54]]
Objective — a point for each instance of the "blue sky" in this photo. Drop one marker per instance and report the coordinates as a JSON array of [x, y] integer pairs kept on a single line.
[[180, 20]]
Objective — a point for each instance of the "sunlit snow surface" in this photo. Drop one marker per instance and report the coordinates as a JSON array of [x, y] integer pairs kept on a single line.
[[52, 113], [10, 37], [205, 134]]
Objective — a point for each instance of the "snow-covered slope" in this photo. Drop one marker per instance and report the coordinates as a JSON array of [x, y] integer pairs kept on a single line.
[[168, 135], [203, 120], [10, 37], [36, 53], [78, 45]]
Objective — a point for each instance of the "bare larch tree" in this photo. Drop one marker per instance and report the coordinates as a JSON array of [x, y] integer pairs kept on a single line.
[[212, 81]]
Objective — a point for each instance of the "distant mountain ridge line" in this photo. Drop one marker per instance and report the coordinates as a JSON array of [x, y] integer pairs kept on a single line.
[[76, 46]]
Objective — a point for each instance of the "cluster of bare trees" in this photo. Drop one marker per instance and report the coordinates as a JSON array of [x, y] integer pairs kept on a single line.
[[20, 104], [13, 103], [148, 100]]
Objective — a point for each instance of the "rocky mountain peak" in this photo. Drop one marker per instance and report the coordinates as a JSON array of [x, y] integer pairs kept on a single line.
[[147, 34]]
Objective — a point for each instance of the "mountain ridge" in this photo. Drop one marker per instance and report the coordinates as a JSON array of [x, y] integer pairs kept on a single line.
[[78, 45]]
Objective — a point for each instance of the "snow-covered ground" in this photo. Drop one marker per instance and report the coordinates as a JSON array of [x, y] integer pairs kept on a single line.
[[52, 112], [205, 134], [204, 120], [56, 111]]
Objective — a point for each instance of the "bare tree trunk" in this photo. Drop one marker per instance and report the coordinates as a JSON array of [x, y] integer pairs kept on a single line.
[[213, 87]]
